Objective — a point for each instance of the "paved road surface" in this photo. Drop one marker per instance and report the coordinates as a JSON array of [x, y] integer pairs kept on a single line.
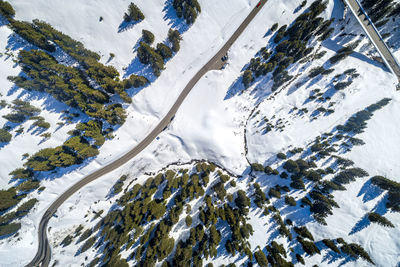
[[43, 255], [376, 40]]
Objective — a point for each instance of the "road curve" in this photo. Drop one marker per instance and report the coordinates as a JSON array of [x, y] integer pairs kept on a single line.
[[374, 36], [43, 254]]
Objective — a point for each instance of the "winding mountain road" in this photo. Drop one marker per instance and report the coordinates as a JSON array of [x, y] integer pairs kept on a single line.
[[43, 254]]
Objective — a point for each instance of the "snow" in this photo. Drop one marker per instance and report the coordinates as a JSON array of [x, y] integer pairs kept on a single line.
[[210, 124]]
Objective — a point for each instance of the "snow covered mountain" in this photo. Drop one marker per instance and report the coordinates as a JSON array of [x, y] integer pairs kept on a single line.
[[295, 164]]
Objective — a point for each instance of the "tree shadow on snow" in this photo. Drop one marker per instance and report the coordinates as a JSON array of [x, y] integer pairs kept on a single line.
[[364, 222], [125, 26], [335, 46], [172, 18], [369, 191]]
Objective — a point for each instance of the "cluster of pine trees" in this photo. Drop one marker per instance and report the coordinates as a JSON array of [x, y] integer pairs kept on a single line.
[[83, 143], [187, 9], [292, 49], [380, 11], [144, 221], [22, 111], [156, 57], [6, 9]]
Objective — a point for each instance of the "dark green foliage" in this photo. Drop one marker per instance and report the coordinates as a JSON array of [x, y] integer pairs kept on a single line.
[[106, 76], [385, 184], [117, 187], [9, 229], [28, 32], [342, 85], [356, 251], [284, 175], [91, 130], [276, 251], [28, 185], [67, 85], [148, 37], [317, 147], [297, 183], [274, 193], [21, 111], [330, 244], [290, 50], [274, 27], [7, 218], [257, 167], [88, 244], [247, 78], [260, 197], [187, 9], [349, 175], [41, 123], [377, 218], [313, 176], [5, 136], [219, 189], [322, 206], [147, 55], [174, 37], [341, 54], [319, 70], [164, 51], [300, 259], [85, 235], [133, 14], [261, 258], [136, 221], [296, 150], [308, 247], [242, 201], [74, 151], [188, 221], [290, 201], [291, 166], [344, 162], [8, 199], [280, 34], [14, 117], [380, 10], [281, 155], [303, 232], [66, 241], [6, 9], [329, 185], [26, 207], [135, 81], [283, 230]]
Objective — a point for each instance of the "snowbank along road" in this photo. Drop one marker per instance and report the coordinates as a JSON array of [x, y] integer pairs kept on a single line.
[[43, 254]]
